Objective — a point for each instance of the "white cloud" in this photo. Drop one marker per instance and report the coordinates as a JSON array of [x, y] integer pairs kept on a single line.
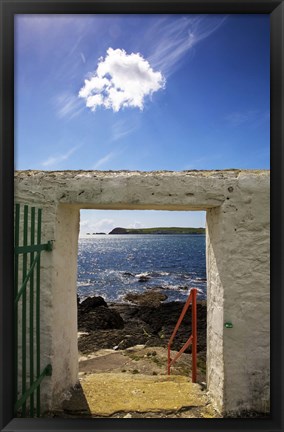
[[121, 80], [84, 223], [54, 160]]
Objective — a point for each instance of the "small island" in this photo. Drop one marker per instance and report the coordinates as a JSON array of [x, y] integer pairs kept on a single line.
[[158, 230], [96, 233]]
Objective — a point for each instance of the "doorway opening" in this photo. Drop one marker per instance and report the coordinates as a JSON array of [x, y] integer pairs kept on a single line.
[[135, 273]]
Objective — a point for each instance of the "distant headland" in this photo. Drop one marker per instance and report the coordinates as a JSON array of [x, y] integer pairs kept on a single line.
[[158, 230]]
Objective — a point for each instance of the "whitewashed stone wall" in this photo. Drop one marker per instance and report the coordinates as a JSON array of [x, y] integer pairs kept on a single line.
[[237, 250]]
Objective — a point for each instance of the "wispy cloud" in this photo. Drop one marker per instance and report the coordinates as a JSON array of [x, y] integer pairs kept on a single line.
[[56, 159], [251, 117], [63, 29], [104, 160], [121, 129], [68, 106], [121, 80], [136, 224], [59, 43], [172, 39], [92, 226], [83, 57]]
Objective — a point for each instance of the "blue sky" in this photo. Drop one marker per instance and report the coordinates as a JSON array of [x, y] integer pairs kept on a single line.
[[141, 92]]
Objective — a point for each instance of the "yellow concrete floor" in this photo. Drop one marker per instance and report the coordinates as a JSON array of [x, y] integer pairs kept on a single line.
[[133, 383], [120, 394], [110, 393]]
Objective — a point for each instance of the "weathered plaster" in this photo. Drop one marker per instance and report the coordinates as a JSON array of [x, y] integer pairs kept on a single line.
[[237, 251]]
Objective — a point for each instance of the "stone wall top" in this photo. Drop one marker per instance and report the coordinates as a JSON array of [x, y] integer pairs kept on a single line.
[[226, 173], [164, 190]]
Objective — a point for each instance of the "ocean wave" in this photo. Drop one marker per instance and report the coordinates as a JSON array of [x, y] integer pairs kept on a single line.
[[200, 280], [85, 283], [179, 288], [153, 274], [172, 287], [144, 274]]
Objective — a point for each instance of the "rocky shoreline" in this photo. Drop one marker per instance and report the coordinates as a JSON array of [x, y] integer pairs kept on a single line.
[[147, 322]]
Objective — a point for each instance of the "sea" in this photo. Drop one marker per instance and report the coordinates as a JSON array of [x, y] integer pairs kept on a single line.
[[113, 265]]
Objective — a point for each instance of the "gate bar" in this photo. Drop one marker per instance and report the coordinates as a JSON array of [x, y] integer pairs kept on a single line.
[[32, 312], [23, 288], [192, 339], [16, 281], [24, 310], [38, 314], [47, 371]]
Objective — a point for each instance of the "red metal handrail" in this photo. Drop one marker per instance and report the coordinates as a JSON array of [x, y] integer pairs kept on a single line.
[[192, 339]]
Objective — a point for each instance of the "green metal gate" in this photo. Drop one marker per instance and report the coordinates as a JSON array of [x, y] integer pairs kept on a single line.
[[28, 374]]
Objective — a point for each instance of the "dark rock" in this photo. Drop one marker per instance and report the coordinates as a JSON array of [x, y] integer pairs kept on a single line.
[[147, 325], [162, 321], [92, 302], [143, 278], [149, 298], [135, 332], [100, 318], [128, 274], [156, 287]]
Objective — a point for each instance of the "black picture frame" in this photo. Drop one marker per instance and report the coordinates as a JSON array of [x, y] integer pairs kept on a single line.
[[8, 8]]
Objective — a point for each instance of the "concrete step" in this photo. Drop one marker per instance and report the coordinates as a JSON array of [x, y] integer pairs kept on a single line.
[[104, 394]]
